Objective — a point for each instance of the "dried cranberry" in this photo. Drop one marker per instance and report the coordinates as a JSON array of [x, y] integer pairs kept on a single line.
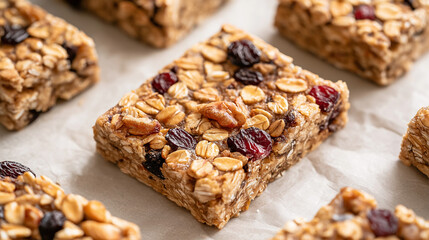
[[13, 169], [248, 77], [154, 162], [382, 222], [14, 35], [243, 53], [253, 142], [364, 12], [163, 81], [50, 224], [326, 97], [179, 138]]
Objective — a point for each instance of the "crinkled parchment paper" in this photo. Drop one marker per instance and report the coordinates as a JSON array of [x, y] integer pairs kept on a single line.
[[364, 155]]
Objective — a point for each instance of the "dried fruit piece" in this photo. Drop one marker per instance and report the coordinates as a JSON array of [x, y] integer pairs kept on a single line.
[[50, 224], [14, 35], [243, 53], [154, 162], [326, 97], [179, 138], [71, 52], [248, 76], [163, 81], [13, 169], [382, 222], [253, 142], [364, 12]]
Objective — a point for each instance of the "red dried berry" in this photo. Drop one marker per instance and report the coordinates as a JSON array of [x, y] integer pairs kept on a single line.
[[14, 35], [253, 143], [382, 222], [13, 169], [364, 12], [243, 53], [326, 97], [248, 77], [163, 81], [153, 163], [179, 138], [51, 223]]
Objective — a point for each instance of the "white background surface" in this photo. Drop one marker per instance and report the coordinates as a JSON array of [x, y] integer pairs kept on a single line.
[[364, 155]]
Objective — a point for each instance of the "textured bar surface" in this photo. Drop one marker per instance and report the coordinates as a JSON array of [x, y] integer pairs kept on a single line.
[[210, 133], [415, 144], [42, 59], [159, 23], [378, 40], [37, 208], [354, 215]]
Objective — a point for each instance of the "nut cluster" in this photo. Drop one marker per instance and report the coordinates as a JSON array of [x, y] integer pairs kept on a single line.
[[37, 208]]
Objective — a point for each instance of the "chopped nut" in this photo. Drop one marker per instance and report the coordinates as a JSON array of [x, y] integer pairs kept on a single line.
[[33, 215], [206, 149], [100, 230], [279, 105], [259, 121], [200, 168], [252, 94], [226, 114], [227, 164], [72, 208], [291, 85], [141, 126], [96, 211], [215, 134]]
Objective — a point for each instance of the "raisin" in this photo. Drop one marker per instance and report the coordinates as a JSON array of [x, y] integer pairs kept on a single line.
[[33, 115], [290, 119], [13, 169], [248, 77], [14, 35], [364, 12], [154, 162], [71, 52], [382, 222], [253, 143], [410, 3], [243, 53], [163, 81], [179, 138], [326, 97], [50, 224]]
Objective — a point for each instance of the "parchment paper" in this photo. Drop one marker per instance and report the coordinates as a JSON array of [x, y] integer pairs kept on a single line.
[[364, 155]]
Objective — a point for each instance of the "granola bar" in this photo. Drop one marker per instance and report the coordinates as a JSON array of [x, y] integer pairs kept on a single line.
[[42, 59], [159, 23], [378, 40], [37, 208], [354, 215], [214, 127], [415, 144]]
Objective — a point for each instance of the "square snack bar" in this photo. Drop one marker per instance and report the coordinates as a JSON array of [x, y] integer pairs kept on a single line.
[[159, 23], [42, 59], [415, 144], [378, 40], [37, 208], [354, 215], [214, 127]]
